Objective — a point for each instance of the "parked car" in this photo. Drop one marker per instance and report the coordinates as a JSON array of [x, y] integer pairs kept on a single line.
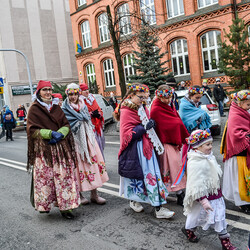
[[209, 106], [106, 108]]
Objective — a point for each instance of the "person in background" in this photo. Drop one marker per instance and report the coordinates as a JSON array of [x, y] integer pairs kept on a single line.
[[205, 86], [20, 113], [91, 171], [204, 205], [51, 153], [2, 125], [9, 123], [113, 100], [96, 115], [235, 146], [59, 96], [182, 86], [219, 95]]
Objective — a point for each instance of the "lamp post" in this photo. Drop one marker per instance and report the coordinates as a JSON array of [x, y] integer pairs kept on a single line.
[[27, 65]]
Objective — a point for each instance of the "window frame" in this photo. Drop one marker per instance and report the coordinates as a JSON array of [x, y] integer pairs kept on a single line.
[[129, 67], [109, 72], [126, 24], [102, 27], [86, 35], [90, 75], [204, 3], [170, 11], [81, 2], [181, 54], [144, 6]]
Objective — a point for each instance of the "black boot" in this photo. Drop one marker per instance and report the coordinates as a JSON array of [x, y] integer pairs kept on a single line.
[[67, 214], [180, 198]]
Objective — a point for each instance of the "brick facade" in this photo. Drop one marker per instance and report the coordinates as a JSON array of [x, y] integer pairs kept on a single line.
[[189, 26]]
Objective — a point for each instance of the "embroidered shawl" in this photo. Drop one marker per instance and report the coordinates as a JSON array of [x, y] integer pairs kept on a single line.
[[203, 178], [169, 126]]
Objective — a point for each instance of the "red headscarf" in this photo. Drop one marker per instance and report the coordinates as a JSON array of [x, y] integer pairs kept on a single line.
[[42, 84], [169, 126], [84, 86]]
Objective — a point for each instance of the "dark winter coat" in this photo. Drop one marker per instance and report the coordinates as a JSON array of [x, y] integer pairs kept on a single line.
[[219, 93], [112, 102], [9, 123], [129, 164], [208, 90]]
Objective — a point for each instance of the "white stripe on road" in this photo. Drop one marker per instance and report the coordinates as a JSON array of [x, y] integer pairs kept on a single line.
[[112, 142], [235, 224]]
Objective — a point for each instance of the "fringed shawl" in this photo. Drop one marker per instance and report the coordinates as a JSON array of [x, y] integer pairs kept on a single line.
[[203, 178], [238, 130], [190, 114], [169, 126], [128, 120], [40, 118]]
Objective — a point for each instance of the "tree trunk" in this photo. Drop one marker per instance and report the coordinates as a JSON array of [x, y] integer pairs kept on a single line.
[[118, 57]]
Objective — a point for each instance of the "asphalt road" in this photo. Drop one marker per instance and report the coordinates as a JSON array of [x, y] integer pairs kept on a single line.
[[112, 226]]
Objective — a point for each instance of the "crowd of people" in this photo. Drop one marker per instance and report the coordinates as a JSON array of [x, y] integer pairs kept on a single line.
[[162, 151]]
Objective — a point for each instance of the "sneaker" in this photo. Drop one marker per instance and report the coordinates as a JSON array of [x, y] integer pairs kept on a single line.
[[164, 213], [136, 206]]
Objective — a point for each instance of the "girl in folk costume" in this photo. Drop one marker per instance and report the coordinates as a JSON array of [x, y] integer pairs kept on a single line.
[[191, 113], [51, 152], [91, 170], [96, 115], [172, 133], [236, 149], [203, 204], [140, 174]]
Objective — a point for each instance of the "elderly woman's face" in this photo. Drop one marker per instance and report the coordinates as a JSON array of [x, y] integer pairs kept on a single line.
[[196, 98], [73, 97], [138, 98], [46, 93]]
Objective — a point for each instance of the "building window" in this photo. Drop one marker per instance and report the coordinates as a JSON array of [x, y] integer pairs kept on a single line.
[[128, 66], [109, 73], [124, 19], [103, 28], [90, 70], [179, 55], [86, 38], [175, 8], [148, 11], [209, 47], [205, 3], [81, 2]]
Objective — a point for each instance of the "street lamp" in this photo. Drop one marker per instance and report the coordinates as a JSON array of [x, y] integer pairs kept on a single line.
[[27, 64]]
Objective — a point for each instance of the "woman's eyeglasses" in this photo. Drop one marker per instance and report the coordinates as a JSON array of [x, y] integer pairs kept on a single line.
[[142, 98], [46, 90]]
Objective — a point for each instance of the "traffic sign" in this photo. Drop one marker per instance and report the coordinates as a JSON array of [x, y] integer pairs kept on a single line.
[[1, 82], [1, 90]]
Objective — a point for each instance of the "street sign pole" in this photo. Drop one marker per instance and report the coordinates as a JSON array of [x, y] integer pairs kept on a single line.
[[27, 65]]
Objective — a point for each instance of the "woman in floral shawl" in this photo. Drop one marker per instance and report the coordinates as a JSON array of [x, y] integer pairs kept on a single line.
[[172, 133], [91, 171], [141, 178], [51, 153], [236, 149]]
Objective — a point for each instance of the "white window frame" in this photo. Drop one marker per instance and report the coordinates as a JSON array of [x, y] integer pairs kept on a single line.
[[109, 73], [128, 68], [148, 11], [86, 37], [90, 72], [124, 19], [204, 4], [81, 2], [209, 49], [103, 28], [177, 55], [170, 8]]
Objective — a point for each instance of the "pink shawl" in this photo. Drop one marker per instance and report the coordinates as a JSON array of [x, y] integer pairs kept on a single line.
[[128, 120], [237, 130]]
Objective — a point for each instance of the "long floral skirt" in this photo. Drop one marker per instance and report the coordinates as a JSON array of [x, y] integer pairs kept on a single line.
[[170, 165], [91, 176], [55, 186], [150, 190]]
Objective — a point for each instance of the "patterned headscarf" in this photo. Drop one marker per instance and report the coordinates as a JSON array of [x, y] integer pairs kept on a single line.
[[199, 137], [194, 90], [72, 88]]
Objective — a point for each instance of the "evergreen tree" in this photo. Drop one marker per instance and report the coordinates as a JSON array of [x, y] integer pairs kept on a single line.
[[234, 55], [58, 88], [149, 68], [93, 87]]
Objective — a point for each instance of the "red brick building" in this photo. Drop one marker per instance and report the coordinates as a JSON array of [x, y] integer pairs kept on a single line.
[[188, 30]]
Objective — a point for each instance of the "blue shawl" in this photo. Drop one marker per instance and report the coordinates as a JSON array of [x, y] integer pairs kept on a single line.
[[190, 114], [74, 117]]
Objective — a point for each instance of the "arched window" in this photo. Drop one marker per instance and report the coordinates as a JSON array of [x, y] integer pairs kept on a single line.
[[179, 56], [209, 47], [90, 70], [204, 3], [109, 73], [81, 2], [128, 66], [175, 8], [86, 38], [124, 19], [103, 28], [148, 11]]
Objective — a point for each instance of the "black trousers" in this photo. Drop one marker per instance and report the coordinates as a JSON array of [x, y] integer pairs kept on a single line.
[[9, 133]]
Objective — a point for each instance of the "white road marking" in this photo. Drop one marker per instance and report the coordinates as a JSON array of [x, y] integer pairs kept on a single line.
[[233, 223], [112, 142]]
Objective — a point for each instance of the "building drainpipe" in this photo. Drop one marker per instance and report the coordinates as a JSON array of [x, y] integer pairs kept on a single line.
[[235, 9]]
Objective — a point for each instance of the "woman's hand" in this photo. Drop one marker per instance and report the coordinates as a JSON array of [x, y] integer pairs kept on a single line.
[[151, 124], [206, 205], [56, 137]]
